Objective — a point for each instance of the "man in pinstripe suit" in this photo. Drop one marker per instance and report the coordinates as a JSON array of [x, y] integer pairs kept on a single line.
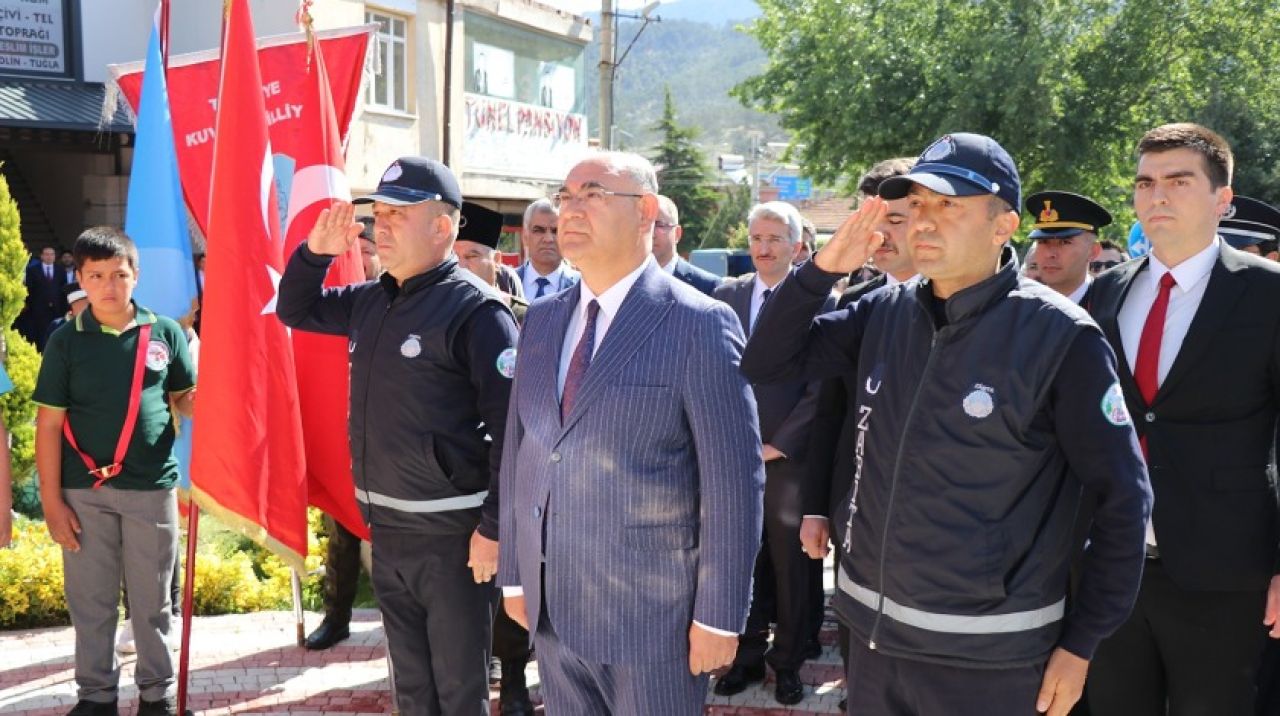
[[635, 478]]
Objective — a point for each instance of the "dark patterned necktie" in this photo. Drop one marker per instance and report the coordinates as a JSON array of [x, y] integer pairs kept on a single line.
[[580, 362], [764, 301], [543, 283]]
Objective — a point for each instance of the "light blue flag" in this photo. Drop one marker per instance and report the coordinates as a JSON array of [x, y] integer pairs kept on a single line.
[[156, 217]]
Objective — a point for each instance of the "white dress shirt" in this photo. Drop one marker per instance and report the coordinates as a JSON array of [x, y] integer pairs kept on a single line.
[[609, 301], [1192, 276], [531, 277], [1077, 295], [670, 266], [889, 280]]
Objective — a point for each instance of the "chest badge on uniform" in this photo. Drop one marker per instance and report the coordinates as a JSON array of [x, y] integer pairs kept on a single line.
[[412, 346], [1114, 409], [980, 402], [507, 363], [157, 355]]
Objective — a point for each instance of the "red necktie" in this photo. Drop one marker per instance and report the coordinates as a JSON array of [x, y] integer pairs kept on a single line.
[[1146, 371], [579, 362]]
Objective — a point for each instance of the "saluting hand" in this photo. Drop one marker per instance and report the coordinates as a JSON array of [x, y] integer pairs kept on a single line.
[[335, 231], [709, 651], [855, 241]]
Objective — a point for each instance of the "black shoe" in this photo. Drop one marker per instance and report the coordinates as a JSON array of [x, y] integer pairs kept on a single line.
[[93, 708], [515, 702], [738, 678], [844, 705], [167, 706], [495, 672], [326, 635], [789, 690]]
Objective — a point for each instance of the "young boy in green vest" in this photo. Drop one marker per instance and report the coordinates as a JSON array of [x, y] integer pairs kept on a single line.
[[104, 451]]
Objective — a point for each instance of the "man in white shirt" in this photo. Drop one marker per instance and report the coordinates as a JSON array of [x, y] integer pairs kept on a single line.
[[632, 480], [667, 233], [545, 272], [1195, 327], [1066, 239], [788, 586]]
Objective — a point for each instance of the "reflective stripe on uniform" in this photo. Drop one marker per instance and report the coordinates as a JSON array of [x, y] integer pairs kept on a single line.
[[953, 623], [448, 504]]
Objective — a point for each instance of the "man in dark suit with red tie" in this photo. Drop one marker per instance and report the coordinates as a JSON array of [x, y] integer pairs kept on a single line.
[[1196, 331]]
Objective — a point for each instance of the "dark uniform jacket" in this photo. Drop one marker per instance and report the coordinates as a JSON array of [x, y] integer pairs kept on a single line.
[[431, 368], [972, 416]]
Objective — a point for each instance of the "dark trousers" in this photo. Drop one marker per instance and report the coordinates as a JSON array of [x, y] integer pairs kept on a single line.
[[784, 581], [1269, 680], [341, 572], [883, 685], [1180, 653], [437, 621], [573, 686], [510, 641]]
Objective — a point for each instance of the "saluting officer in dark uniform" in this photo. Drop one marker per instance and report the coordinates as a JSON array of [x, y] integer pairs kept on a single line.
[[983, 402], [1066, 234], [432, 355]]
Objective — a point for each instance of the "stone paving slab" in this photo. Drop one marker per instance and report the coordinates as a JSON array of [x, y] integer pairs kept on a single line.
[[250, 663]]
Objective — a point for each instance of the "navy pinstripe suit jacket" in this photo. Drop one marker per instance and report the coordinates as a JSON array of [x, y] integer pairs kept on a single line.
[[646, 500]]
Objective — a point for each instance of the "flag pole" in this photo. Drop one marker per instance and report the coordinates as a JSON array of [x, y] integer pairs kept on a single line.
[[188, 597], [298, 616]]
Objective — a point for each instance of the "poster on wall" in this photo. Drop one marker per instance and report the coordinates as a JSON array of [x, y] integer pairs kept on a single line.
[[493, 71], [32, 37], [556, 86]]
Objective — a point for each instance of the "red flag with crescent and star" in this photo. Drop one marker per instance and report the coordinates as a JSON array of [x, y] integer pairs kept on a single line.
[[319, 177], [248, 463]]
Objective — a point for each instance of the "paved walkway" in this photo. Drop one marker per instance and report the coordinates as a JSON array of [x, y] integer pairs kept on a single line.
[[250, 664]]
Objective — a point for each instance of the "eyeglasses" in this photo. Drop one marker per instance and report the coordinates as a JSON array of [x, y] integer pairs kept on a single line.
[[664, 226], [592, 197], [1102, 265]]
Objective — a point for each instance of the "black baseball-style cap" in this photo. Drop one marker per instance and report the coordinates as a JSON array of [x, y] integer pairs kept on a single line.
[[1249, 222], [480, 224], [413, 180], [961, 164], [1062, 214]]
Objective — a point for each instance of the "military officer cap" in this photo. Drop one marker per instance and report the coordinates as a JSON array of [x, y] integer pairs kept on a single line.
[[1248, 222], [480, 225], [1061, 214]]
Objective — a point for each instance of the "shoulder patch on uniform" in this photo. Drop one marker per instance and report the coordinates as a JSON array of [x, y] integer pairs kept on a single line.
[[157, 355], [506, 363], [1114, 409]]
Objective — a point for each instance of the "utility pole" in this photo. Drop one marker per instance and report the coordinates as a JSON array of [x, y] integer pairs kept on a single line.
[[608, 51]]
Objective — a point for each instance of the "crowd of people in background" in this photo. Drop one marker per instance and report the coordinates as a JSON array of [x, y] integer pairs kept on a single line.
[[608, 459]]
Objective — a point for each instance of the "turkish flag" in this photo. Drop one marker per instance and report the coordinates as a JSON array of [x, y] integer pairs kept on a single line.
[[248, 465], [319, 178]]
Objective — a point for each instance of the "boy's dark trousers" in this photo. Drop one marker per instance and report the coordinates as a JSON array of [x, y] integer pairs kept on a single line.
[[134, 534]]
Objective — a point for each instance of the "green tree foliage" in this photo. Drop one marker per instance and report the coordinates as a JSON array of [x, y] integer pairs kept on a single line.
[[1067, 86], [21, 360], [684, 176], [729, 227]]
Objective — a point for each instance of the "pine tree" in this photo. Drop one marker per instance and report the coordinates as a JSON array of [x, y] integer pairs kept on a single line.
[[685, 177]]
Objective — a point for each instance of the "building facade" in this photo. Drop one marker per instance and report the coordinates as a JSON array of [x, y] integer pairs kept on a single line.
[[495, 88]]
